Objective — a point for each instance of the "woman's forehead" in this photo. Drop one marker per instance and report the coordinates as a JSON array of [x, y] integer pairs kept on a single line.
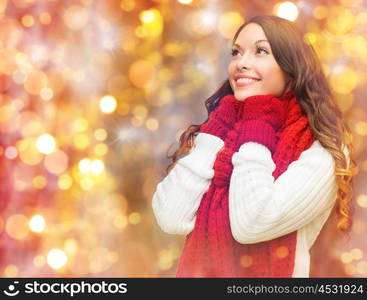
[[251, 34]]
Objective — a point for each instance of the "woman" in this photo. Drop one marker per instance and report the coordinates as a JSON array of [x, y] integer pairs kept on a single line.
[[262, 174]]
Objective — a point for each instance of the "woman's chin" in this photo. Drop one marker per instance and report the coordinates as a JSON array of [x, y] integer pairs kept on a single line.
[[241, 96]]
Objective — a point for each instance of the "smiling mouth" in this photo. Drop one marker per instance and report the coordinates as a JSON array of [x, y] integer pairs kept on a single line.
[[241, 82]]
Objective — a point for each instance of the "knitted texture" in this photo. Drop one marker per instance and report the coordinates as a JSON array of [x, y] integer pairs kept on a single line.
[[210, 249], [223, 117], [263, 115]]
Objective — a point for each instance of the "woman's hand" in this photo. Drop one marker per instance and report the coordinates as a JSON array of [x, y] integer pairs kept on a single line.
[[223, 117], [266, 108], [262, 117]]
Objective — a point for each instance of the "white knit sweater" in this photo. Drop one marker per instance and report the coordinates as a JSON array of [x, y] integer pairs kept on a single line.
[[260, 208]]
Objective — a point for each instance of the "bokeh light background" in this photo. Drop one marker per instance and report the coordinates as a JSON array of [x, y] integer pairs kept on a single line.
[[94, 93]]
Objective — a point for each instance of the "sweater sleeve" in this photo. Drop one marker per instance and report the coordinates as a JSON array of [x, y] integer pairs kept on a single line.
[[178, 195], [262, 208]]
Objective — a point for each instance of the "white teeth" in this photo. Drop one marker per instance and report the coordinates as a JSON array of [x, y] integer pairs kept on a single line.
[[246, 80]]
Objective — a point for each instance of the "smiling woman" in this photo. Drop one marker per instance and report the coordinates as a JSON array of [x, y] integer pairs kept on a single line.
[[266, 169], [253, 68]]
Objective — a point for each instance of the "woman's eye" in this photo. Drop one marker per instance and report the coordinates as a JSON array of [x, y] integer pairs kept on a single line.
[[234, 52], [261, 49]]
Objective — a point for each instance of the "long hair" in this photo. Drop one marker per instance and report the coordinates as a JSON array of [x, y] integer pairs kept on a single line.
[[298, 58]]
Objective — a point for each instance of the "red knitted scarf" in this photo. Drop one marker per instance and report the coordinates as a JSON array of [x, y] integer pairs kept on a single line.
[[210, 249]]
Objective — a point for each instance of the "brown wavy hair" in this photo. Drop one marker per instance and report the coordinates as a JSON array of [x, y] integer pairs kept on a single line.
[[298, 58]]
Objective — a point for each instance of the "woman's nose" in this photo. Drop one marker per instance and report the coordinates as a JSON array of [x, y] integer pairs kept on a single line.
[[243, 62]]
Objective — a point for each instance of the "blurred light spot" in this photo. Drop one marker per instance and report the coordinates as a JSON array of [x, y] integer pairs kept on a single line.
[[100, 149], [140, 111], [108, 104], [5, 113], [346, 257], [97, 166], [46, 143], [282, 252], [356, 253], [11, 271], [30, 124], [18, 104], [19, 77], [46, 93], [136, 122], [147, 16], [339, 23], [76, 17], [38, 55], [31, 128], [361, 128], [120, 221], [141, 32], [37, 223], [345, 102], [45, 18], [127, 5], [141, 73], [185, 1], [7, 56], [100, 134], [35, 81], [56, 162], [246, 261], [286, 10], [81, 141], [350, 269], [39, 261], [174, 50], [362, 267], [27, 20], [112, 257], [165, 259], [39, 182], [355, 46], [11, 152], [310, 38], [362, 200], [71, 246], [64, 182], [229, 23], [86, 184], [56, 258], [152, 24], [28, 152], [17, 226], [343, 79], [80, 124], [134, 218], [201, 22], [152, 124], [20, 185], [320, 12], [84, 165], [67, 226], [359, 227]]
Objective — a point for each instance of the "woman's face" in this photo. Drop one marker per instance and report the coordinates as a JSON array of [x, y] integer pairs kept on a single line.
[[255, 59]]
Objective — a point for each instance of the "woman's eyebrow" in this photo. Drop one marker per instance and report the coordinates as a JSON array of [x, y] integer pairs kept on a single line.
[[258, 41]]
